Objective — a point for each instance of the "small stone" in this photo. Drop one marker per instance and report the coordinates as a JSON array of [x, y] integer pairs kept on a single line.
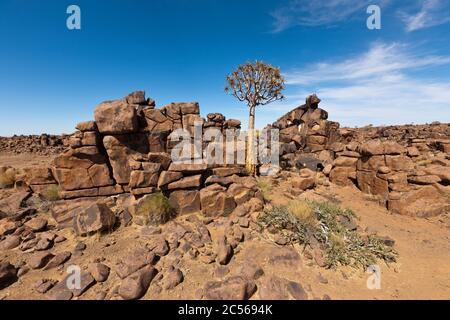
[[174, 278], [87, 280], [37, 224], [10, 242], [7, 227], [101, 295], [150, 231], [99, 271], [27, 245], [80, 246], [136, 285], [60, 239], [58, 260], [159, 246], [243, 222], [221, 271], [40, 259], [280, 239], [22, 271], [44, 285], [43, 244], [251, 270], [319, 258], [322, 279], [224, 251], [134, 261], [61, 290], [387, 241], [233, 288]]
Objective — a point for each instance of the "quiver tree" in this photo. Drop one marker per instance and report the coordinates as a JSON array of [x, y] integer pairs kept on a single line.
[[256, 84]]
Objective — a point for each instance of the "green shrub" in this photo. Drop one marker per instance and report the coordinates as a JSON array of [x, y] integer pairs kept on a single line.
[[306, 222], [154, 209]]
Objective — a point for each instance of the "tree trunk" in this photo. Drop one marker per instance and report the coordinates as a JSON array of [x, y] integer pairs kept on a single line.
[[250, 161]]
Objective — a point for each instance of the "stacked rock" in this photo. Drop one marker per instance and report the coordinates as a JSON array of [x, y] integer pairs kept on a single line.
[[304, 130], [395, 175], [128, 149]]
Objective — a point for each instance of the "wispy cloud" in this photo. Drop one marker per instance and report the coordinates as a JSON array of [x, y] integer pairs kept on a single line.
[[381, 62], [416, 15], [317, 13], [425, 14], [382, 86]]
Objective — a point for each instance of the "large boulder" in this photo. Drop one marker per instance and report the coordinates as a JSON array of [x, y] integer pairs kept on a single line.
[[372, 148], [167, 177], [96, 218], [122, 148], [277, 288], [136, 97], [370, 183], [82, 168], [186, 183], [136, 285], [157, 121], [116, 117], [133, 261], [233, 288], [399, 163], [216, 201], [379, 147], [87, 126], [189, 107], [185, 201], [345, 162], [425, 202], [148, 177], [371, 163], [442, 172], [12, 204], [38, 175], [343, 176], [8, 274]]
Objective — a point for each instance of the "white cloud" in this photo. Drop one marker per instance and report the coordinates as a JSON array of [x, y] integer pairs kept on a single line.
[[318, 12], [381, 86], [427, 13]]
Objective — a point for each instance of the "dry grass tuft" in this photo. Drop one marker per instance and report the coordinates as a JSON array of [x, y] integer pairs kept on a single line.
[[265, 185], [51, 193]]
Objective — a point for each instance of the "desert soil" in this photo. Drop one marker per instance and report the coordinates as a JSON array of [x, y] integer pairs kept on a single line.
[[421, 272], [24, 160]]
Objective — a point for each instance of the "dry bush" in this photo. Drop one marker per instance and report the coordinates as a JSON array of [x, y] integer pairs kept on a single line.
[[154, 209], [7, 178], [312, 222], [51, 193]]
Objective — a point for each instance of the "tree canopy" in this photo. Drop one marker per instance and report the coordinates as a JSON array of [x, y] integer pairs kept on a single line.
[[256, 83]]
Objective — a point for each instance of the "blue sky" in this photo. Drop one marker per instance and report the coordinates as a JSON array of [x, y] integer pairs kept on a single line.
[[181, 50]]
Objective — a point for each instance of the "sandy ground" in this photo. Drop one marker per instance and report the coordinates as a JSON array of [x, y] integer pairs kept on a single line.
[[422, 270], [20, 161]]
